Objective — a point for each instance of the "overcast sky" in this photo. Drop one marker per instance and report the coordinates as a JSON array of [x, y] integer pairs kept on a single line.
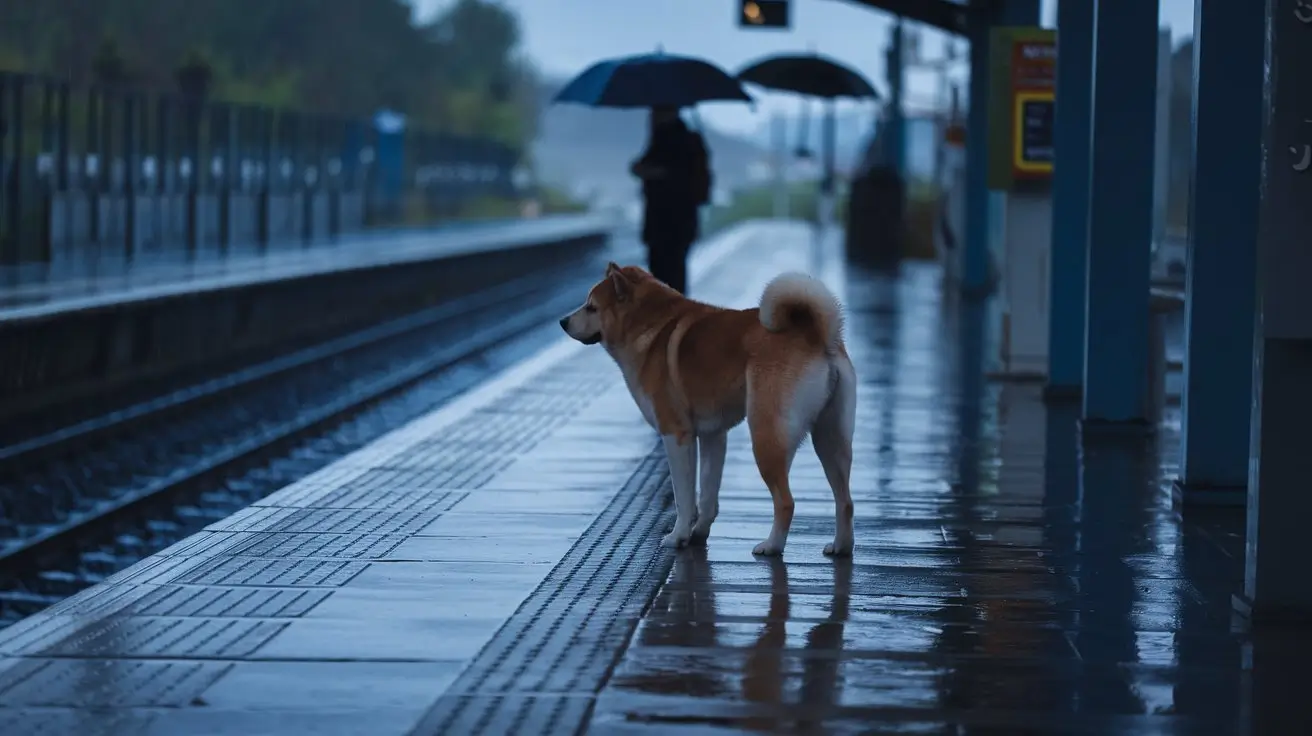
[[565, 36]]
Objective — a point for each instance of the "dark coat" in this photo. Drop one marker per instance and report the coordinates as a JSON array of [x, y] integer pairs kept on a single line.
[[670, 215]]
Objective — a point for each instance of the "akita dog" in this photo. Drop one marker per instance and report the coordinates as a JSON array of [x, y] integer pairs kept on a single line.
[[697, 370]]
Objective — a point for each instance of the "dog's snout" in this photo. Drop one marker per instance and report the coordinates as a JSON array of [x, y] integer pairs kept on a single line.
[[564, 323]]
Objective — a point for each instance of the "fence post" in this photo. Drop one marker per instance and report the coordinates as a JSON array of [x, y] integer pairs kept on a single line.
[[129, 176], [11, 166], [264, 171], [88, 178]]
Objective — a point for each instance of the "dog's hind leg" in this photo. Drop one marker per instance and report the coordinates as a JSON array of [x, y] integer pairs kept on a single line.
[[832, 439], [682, 455], [774, 443], [712, 448]]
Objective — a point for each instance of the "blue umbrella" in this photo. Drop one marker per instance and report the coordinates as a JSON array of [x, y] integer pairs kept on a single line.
[[652, 80]]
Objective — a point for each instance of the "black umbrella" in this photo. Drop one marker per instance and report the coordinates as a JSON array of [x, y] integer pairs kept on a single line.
[[652, 80], [808, 74]]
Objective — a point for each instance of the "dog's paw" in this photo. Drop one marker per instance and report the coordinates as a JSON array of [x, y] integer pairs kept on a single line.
[[676, 539], [768, 548], [837, 549], [699, 534]]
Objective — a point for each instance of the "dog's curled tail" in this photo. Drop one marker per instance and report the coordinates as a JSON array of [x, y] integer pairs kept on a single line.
[[795, 301]]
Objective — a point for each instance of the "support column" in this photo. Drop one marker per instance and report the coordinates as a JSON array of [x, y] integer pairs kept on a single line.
[[1120, 212], [1229, 52], [975, 272], [1280, 466], [975, 276], [1070, 197]]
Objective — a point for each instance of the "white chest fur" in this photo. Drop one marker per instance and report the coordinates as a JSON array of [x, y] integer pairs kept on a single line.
[[640, 397]]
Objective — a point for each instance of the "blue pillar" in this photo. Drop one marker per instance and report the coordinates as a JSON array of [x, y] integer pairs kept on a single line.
[[975, 258], [1277, 553], [1070, 197], [984, 16], [1229, 52], [1120, 212]]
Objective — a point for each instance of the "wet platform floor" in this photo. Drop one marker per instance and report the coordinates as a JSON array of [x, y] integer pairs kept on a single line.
[[492, 569], [1012, 575]]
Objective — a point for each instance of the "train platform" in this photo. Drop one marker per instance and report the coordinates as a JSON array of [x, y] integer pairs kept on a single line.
[[98, 280], [495, 568], [120, 330]]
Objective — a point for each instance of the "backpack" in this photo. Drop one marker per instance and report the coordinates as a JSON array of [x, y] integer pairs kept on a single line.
[[702, 179]]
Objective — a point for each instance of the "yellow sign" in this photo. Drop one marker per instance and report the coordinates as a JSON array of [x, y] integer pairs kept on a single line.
[[1032, 144]]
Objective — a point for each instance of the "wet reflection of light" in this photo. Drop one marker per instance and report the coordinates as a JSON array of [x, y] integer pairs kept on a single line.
[[1159, 582]]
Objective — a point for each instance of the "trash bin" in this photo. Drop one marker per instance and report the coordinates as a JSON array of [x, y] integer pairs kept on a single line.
[[876, 218]]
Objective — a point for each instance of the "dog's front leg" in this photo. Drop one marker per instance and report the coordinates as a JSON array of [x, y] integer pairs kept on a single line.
[[682, 454], [712, 449]]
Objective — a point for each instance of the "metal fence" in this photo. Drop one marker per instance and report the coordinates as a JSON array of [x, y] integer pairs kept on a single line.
[[114, 175]]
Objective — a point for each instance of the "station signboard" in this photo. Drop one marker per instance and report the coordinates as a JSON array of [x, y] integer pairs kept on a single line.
[[1023, 79]]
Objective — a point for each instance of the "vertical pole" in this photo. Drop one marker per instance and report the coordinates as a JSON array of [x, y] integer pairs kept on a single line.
[[1162, 162], [1120, 212], [1220, 286], [896, 139], [1070, 197], [15, 206], [780, 145], [825, 208], [105, 173], [265, 130], [63, 117], [129, 175], [90, 183], [221, 120], [1277, 552], [47, 174], [192, 111], [163, 206], [976, 276]]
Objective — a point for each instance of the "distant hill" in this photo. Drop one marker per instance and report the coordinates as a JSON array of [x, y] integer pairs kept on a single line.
[[589, 150]]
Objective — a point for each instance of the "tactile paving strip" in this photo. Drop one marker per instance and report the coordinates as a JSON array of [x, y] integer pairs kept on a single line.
[[99, 601], [291, 573], [501, 433], [202, 544], [326, 546], [520, 715], [173, 600], [567, 635], [50, 722], [362, 493], [449, 467], [167, 638], [101, 683], [325, 521]]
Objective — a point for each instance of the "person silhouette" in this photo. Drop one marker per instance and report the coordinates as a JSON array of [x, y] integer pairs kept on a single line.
[[676, 181]]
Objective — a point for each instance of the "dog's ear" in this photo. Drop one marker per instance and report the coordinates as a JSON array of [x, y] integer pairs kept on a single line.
[[621, 282]]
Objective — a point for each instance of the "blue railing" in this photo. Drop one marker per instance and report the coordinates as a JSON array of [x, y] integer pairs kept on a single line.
[[119, 174]]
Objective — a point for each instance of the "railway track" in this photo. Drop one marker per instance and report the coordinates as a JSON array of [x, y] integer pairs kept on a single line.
[[80, 502]]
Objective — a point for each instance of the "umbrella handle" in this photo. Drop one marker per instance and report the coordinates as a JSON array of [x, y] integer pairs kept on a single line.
[[803, 124]]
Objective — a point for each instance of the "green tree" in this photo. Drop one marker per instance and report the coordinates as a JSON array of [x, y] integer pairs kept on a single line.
[[462, 71]]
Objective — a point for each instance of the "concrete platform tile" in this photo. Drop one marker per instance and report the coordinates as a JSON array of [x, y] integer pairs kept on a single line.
[[562, 501], [313, 686], [524, 549], [384, 638], [508, 523]]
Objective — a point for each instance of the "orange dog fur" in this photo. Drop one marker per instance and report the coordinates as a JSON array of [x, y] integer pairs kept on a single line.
[[697, 370]]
